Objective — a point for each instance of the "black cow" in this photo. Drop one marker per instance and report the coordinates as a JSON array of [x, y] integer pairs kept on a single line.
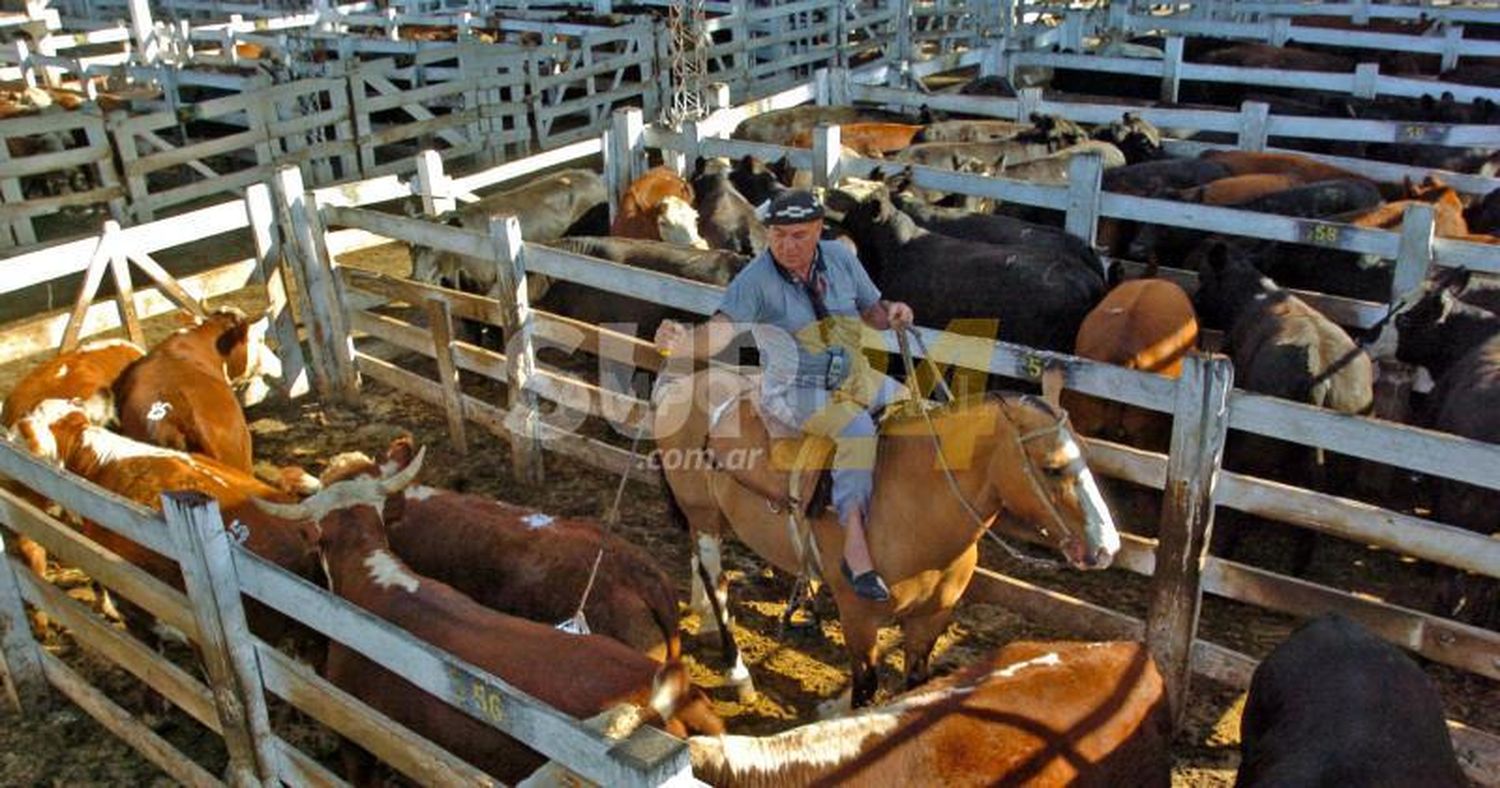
[[726, 220], [1038, 296], [1334, 705], [755, 180], [995, 229], [1283, 348], [1484, 215]]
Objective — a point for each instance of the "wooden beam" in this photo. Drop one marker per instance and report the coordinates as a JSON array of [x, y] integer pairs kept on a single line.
[[1200, 422], [224, 636], [520, 367]]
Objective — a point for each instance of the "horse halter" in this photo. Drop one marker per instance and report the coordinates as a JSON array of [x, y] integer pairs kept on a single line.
[[1074, 467]]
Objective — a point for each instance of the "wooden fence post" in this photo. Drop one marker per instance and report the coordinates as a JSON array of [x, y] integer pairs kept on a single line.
[[1415, 255], [268, 271], [628, 139], [822, 94], [432, 184], [440, 319], [1028, 101], [1254, 117], [827, 149], [522, 415], [1200, 420], [838, 86], [1085, 180], [321, 296], [1453, 41], [1366, 80], [992, 64], [685, 160], [224, 636], [1171, 69], [20, 656]]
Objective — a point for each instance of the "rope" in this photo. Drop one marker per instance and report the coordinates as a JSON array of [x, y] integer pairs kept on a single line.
[[578, 623], [937, 446]]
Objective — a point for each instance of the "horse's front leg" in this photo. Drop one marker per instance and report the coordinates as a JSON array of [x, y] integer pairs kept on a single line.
[[919, 635], [710, 582]]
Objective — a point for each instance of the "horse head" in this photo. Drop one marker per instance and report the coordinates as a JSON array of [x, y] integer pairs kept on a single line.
[[1051, 486]]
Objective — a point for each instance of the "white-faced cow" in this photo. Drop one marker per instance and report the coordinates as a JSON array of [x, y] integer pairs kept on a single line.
[[580, 675], [527, 563], [86, 374], [59, 431]]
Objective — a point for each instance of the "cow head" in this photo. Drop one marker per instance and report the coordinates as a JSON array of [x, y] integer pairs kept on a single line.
[[1137, 139], [677, 223], [248, 360], [39, 430], [327, 507]]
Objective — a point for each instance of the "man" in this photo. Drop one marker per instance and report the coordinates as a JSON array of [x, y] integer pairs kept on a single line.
[[818, 293]]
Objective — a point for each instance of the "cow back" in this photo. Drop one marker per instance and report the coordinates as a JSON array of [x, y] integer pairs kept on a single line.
[[86, 374], [535, 566], [1336, 705]]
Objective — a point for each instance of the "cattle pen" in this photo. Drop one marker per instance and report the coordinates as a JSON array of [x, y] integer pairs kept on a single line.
[[301, 225]]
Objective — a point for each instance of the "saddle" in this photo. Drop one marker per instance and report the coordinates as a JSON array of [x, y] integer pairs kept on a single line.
[[779, 462]]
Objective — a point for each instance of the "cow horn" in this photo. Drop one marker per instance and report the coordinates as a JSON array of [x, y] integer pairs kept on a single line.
[[403, 478], [285, 511]]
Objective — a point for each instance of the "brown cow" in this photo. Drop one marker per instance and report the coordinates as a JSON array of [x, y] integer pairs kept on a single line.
[[580, 675], [526, 563], [867, 139], [656, 207], [1143, 324], [180, 395], [1033, 714], [1447, 212], [1241, 162], [86, 374], [1238, 189], [59, 431]]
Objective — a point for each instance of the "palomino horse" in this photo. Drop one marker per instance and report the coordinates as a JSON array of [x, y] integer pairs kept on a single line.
[[1008, 453]]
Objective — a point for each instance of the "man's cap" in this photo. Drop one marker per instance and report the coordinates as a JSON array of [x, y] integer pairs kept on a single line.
[[794, 206]]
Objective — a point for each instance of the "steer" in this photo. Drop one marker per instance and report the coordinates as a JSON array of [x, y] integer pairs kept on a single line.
[[1336, 705], [580, 675], [181, 396], [526, 563], [1036, 714], [59, 431]]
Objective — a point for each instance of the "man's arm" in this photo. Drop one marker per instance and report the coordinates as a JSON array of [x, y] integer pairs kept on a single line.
[[887, 314], [702, 341]]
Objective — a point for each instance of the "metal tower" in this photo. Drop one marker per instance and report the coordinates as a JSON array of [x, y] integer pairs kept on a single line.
[[688, 44]]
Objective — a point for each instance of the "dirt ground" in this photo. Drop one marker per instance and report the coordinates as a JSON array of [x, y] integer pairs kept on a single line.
[[63, 746]]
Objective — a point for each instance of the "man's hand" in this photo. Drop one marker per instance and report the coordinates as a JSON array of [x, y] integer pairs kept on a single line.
[[899, 314], [673, 338]]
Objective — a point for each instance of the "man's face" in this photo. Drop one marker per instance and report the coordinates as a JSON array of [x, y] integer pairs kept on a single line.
[[793, 245]]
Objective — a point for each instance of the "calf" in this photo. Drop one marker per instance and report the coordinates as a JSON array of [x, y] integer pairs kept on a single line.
[[525, 563], [580, 675], [87, 375], [1336, 705], [866, 139], [971, 131], [59, 431], [779, 126], [180, 395], [1035, 714], [1307, 170]]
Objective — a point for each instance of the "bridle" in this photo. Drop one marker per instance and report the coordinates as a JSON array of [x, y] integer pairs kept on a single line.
[[1020, 438]]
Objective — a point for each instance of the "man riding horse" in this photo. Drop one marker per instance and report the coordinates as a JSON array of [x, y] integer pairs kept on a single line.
[[818, 293]]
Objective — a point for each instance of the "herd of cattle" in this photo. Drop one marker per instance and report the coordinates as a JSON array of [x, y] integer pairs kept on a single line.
[[487, 580]]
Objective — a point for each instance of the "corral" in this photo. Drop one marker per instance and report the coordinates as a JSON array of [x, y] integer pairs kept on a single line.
[[376, 344]]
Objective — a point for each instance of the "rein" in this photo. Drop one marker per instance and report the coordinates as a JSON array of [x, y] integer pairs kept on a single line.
[[937, 446]]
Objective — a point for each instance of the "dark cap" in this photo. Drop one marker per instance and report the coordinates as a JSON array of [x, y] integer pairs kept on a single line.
[[794, 206]]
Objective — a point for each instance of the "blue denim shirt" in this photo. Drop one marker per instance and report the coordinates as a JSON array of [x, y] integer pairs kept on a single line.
[[761, 296]]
